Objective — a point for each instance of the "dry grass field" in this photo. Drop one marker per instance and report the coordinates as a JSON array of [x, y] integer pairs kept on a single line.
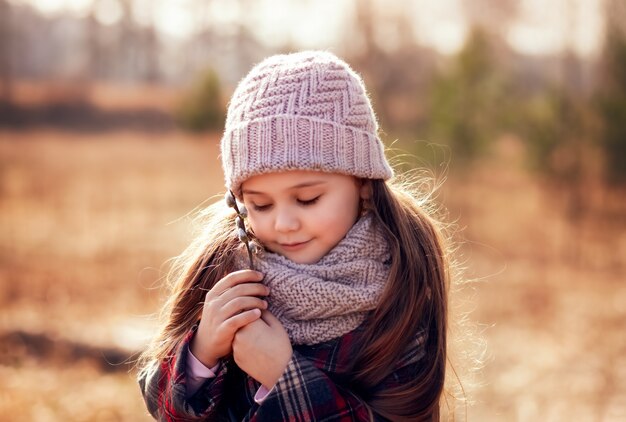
[[89, 220], [87, 224]]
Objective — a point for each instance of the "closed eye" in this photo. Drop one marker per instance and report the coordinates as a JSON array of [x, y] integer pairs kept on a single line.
[[309, 201], [261, 207]]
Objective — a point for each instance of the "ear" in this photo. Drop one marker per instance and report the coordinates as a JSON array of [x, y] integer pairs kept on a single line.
[[365, 189]]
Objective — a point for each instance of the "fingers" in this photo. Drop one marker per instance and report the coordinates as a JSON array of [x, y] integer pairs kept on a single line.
[[235, 293], [235, 278], [241, 320], [242, 303], [270, 319], [245, 289]]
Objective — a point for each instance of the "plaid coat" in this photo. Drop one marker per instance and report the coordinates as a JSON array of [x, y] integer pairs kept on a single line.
[[310, 389]]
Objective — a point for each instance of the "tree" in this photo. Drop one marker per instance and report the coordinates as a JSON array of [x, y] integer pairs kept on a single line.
[[6, 37], [202, 108], [611, 102], [496, 16], [465, 102]]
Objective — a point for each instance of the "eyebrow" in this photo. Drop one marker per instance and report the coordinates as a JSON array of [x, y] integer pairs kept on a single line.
[[298, 186]]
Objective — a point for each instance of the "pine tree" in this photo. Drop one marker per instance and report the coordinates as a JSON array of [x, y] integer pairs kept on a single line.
[[611, 103], [465, 101]]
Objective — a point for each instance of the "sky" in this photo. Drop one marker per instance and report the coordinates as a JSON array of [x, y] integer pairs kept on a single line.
[[544, 27]]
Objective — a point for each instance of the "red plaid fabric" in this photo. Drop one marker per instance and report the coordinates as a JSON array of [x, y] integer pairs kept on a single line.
[[310, 389]]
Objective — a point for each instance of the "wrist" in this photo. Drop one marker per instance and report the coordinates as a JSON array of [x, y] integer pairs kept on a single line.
[[272, 379], [198, 351]]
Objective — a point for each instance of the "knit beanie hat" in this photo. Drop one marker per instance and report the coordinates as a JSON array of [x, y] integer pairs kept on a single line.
[[301, 111]]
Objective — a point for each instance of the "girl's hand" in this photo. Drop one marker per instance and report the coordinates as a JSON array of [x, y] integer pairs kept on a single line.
[[262, 349], [231, 304]]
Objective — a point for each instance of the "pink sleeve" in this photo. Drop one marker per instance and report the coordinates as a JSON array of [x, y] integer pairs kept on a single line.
[[197, 373], [261, 394]]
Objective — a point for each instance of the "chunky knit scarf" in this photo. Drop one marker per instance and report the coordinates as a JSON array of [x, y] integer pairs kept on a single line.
[[321, 301]]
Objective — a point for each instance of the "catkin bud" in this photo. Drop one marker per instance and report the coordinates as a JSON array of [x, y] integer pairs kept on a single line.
[[254, 248], [243, 236], [230, 199], [243, 211]]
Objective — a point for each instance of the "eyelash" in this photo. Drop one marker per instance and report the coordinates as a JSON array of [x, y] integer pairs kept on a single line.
[[310, 201], [307, 203]]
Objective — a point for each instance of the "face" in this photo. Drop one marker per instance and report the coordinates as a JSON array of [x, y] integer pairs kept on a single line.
[[302, 215]]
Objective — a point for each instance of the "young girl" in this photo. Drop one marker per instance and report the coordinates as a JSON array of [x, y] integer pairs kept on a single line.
[[342, 313]]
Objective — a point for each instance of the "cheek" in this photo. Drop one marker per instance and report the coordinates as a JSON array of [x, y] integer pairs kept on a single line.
[[262, 225], [337, 219], [255, 223]]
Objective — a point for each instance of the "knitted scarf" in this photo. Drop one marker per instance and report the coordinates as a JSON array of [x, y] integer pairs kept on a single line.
[[321, 301]]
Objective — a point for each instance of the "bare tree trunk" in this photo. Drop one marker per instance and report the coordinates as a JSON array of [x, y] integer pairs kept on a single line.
[[495, 17], [94, 49], [571, 128], [150, 49], [6, 41]]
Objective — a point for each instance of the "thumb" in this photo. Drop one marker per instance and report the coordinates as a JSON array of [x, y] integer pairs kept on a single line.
[[270, 319]]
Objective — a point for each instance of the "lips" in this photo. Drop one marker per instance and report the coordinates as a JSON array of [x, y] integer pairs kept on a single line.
[[293, 246]]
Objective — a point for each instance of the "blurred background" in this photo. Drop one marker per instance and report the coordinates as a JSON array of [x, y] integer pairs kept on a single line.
[[111, 113]]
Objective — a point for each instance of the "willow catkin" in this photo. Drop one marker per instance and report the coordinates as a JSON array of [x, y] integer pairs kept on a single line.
[[241, 231]]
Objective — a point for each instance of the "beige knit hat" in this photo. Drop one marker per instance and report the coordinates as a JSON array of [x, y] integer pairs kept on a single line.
[[301, 111]]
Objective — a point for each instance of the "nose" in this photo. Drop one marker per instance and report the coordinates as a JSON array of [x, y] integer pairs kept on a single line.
[[286, 220]]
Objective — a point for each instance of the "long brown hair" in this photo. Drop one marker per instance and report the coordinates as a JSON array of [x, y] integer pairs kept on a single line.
[[192, 274], [415, 298]]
